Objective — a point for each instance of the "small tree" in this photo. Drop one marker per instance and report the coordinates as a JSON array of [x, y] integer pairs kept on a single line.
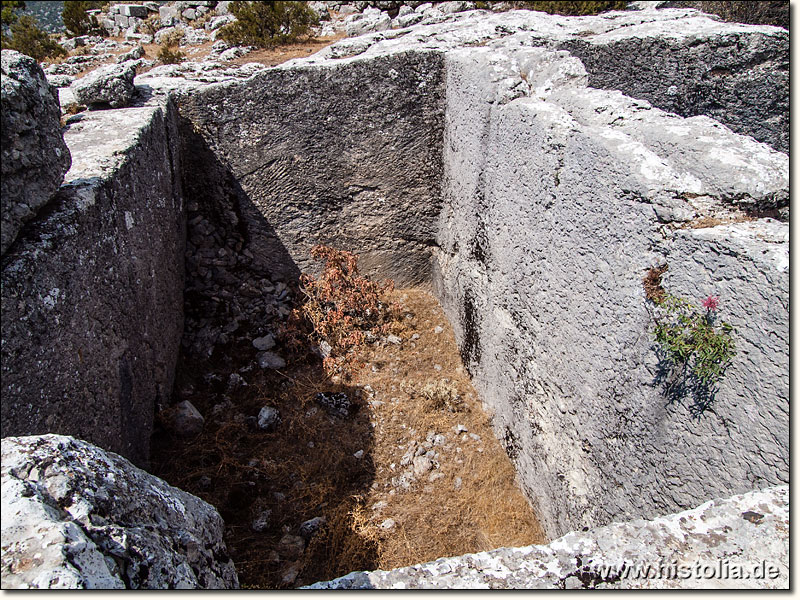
[[76, 18], [8, 17], [267, 24], [26, 35]]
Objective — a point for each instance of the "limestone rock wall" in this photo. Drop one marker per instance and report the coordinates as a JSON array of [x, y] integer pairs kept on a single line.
[[733, 543], [34, 156], [739, 79], [558, 199], [346, 154], [93, 289]]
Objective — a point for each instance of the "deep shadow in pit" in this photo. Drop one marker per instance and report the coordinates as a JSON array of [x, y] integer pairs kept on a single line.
[[315, 463]]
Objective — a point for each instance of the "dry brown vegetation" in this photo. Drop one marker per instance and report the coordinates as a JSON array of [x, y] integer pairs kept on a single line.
[[653, 289], [280, 54], [306, 468], [704, 222]]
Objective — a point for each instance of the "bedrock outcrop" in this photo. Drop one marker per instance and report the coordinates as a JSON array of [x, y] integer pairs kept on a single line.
[[92, 301], [35, 157], [679, 60], [553, 201], [734, 543], [77, 517], [345, 154]]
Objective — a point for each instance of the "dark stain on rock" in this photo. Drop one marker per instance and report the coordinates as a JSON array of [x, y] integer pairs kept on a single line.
[[470, 345], [479, 244], [510, 444], [753, 517]]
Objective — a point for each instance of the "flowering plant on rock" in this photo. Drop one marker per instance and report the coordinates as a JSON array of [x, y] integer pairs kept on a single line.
[[692, 340]]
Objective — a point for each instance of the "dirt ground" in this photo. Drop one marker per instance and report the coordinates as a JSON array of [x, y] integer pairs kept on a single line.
[[411, 474]]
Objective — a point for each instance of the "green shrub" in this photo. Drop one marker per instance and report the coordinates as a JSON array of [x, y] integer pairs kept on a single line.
[[577, 8], [691, 341], [7, 14], [26, 35], [77, 20], [267, 24]]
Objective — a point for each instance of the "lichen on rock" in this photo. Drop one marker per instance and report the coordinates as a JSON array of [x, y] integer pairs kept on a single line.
[[76, 516]]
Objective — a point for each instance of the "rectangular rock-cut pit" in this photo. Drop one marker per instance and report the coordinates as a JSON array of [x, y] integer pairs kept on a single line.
[[549, 204], [532, 204]]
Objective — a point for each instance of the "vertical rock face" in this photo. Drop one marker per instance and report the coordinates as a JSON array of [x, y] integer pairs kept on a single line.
[[556, 206], [540, 201], [92, 301], [347, 155], [34, 155], [75, 516]]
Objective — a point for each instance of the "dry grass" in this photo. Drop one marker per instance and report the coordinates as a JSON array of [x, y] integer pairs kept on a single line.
[[307, 468], [704, 222], [280, 54], [436, 519]]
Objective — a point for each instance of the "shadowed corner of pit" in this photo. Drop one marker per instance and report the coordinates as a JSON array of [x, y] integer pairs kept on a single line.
[[266, 484]]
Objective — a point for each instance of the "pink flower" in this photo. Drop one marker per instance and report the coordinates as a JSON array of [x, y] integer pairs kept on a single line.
[[711, 303]]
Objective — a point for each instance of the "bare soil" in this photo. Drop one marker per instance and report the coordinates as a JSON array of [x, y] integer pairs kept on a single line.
[[347, 470]]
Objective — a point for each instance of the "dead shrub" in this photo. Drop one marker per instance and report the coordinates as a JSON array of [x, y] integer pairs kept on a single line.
[[150, 25], [442, 395], [342, 311], [169, 56], [652, 283]]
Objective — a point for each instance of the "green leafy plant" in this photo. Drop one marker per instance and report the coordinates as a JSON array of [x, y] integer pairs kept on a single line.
[[341, 312], [691, 340], [267, 24]]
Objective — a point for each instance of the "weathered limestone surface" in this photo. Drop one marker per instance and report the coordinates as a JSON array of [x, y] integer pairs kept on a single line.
[[739, 79], [344, 154], [34, 156], [680, 60], [557, 202], [92, 291], [467, 152], [111, 84], [75, 516], [735, 543]]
